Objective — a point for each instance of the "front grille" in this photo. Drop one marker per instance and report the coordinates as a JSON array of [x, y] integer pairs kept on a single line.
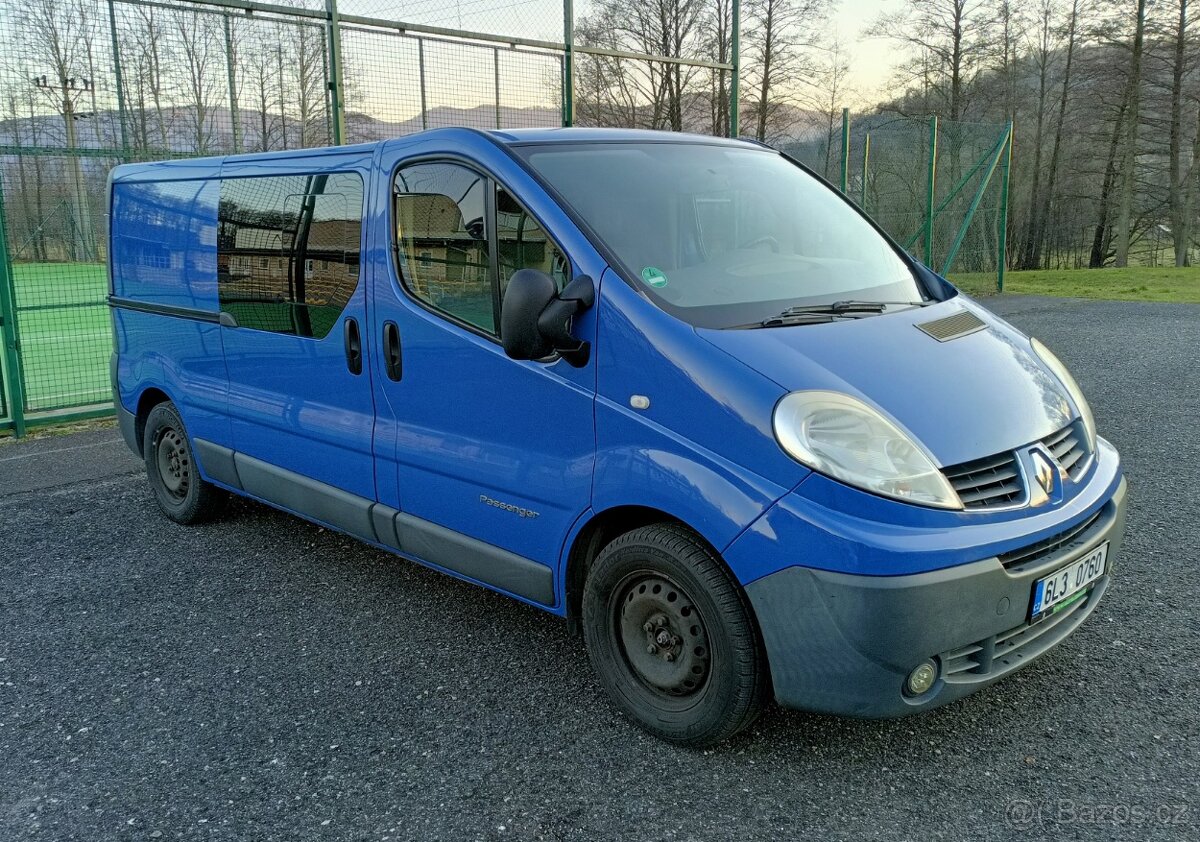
[[987, 483], [1047, 546], [1005, 651], [1069, 448], [996, 481]]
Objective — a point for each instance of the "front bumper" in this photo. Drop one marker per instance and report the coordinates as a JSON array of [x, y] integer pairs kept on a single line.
[[844, 643]]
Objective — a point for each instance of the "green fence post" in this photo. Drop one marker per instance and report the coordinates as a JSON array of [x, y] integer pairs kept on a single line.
[[336, 89], [496, 81], [866, 163], [235, 120], [11, 336], [421, 82], [568, 71], [117, 78], [735, 60], [1002, 220], [845, 180], [930, 190]]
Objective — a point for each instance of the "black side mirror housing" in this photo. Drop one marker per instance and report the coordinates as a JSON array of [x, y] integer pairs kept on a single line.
[[536, 319]]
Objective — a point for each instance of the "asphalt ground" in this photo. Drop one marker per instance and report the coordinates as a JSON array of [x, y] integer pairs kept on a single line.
[[262, 678]]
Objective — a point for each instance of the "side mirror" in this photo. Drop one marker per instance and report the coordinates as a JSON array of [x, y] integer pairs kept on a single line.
[[535, 319]]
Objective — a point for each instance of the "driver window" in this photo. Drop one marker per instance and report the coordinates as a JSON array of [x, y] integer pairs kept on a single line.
[[442, 240], [522, 244]]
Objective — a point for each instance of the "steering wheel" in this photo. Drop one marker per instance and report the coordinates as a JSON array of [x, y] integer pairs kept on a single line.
[[765, 239]]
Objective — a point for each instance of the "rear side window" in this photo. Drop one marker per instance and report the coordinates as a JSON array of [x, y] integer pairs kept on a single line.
[[288, 250]]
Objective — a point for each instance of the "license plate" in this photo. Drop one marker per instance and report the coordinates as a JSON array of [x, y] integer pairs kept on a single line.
[[1057, 588]]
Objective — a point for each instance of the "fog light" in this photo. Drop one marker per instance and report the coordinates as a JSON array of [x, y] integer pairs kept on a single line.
[[921, 679]]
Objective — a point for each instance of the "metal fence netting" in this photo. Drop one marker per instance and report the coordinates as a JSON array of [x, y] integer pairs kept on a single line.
[[88, 84]]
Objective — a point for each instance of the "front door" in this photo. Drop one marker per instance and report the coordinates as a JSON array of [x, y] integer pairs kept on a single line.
[[492, 457], [293, 312]]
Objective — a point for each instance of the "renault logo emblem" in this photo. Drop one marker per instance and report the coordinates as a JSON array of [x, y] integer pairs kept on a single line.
[[1043, 474]]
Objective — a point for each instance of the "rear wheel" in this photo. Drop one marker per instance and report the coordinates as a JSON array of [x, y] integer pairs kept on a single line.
[[178, 488], [672, 638]]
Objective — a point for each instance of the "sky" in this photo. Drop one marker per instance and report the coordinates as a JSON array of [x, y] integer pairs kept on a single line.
[[870, 66]]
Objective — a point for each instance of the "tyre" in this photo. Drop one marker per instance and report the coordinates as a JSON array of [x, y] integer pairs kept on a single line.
[[672, 638], [181, 493]]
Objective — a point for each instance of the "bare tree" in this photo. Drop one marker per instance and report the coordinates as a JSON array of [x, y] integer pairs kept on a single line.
[[257, 67], [1178, 175], [949, 41], [829, 92], [1123, 227], [53, 32], [719, 27], [660, 93], [776, 34], [201, 59], [1039, 213], [146, 77]]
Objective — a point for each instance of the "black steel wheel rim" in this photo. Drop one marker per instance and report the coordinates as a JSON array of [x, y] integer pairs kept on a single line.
[[174, 464], [662, 635]]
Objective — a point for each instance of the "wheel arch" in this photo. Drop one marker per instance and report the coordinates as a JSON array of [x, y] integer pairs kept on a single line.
[[601, 529], [149, 398]]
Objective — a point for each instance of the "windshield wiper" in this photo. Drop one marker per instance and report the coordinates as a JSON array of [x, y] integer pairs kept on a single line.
[[854, 306], [823, 313]]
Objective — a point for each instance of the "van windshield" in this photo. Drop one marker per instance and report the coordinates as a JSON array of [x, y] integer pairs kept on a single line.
[[722, 236]]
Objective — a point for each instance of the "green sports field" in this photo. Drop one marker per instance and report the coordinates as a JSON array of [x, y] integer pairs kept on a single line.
[[65, 333]]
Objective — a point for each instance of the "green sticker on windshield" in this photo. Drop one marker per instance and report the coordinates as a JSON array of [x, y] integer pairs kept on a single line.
[[654, 277]]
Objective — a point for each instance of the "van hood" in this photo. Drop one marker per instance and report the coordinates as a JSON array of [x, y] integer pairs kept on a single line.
[[964, 398]]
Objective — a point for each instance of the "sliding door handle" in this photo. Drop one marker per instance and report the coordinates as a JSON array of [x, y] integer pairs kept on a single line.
[[353, 340], [393, 363]]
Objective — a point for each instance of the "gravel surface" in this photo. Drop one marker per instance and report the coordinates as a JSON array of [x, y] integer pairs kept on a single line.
[[262, 678]]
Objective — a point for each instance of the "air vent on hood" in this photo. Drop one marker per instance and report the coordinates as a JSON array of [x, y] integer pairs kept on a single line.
[[951, 327]]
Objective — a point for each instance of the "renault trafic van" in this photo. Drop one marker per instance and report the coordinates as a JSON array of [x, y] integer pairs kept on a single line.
[[674, 389]]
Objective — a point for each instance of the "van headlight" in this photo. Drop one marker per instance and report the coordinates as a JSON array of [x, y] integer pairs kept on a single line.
[[840, 436], [1060, 371]]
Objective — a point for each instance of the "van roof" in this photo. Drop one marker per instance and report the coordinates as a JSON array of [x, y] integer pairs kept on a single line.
[[202, 167]]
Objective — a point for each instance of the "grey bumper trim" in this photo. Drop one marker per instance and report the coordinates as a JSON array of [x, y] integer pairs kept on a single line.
[[841, 643]]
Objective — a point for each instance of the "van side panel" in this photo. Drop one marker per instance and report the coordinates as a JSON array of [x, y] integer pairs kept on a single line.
[[163, 255], [670, 455], [181, 357]]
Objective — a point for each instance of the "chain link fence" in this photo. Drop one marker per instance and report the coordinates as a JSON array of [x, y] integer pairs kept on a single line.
[[88, 84], [938, 187]]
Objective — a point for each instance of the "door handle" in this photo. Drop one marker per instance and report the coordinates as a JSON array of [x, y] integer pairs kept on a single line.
[[353, 347], [393, 363]]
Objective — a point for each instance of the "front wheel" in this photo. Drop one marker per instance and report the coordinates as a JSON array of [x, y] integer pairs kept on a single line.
[[672, 638], [180, 491]]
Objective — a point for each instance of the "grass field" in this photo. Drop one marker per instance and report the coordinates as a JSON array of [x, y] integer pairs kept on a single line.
[[65, 333], [1139, 283]]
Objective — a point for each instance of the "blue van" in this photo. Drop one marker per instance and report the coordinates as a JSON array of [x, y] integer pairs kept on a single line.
[[675, 389]]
